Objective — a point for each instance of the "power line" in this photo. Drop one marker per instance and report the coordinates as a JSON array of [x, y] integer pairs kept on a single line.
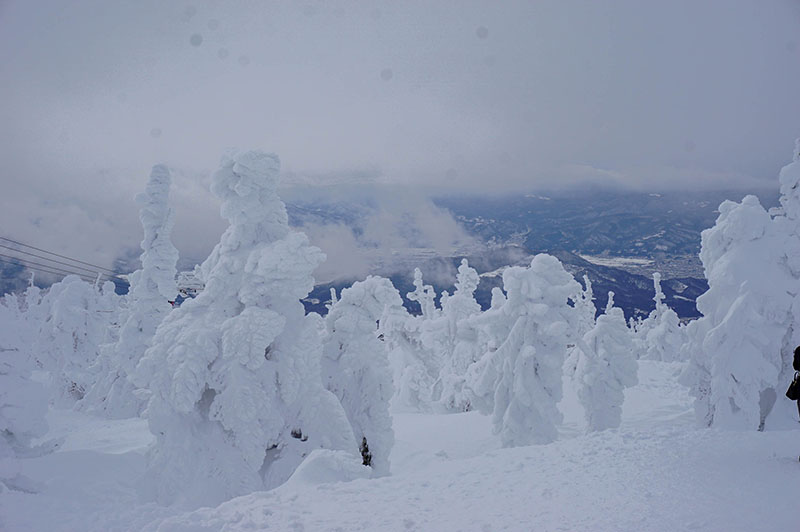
[[51, 260], [57, 255], [44, 270], [24, 261], [93, 273]]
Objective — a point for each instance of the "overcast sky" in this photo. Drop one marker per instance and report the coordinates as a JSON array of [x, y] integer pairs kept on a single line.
[[488, 95]]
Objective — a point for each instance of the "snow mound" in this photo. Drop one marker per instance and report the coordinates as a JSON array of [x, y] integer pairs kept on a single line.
[[324, 466]]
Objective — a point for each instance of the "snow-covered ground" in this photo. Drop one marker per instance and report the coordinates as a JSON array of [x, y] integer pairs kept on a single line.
[[656, 473]]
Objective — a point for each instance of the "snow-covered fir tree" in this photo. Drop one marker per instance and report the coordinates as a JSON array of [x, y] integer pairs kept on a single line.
[[660, 336], [414, 348], [355, 365], [462, 341], [23, 402], [424, 295], [237, 395], [740, 350], [606, 367], [152, 289], [520, 382], [586, 312], [76, 319], [413, 367]]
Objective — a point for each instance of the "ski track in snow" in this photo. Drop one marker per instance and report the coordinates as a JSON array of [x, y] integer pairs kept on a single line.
[[657, 473]]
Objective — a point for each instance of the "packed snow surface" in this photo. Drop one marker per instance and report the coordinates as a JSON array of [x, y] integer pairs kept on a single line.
[[657, 472]]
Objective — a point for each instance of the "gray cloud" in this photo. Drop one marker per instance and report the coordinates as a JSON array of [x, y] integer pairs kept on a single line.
[[481, 96]]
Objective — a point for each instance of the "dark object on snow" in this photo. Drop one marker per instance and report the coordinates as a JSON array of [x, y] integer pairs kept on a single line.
[[793, 392], [298, 434], [366, 456], [796, 361]]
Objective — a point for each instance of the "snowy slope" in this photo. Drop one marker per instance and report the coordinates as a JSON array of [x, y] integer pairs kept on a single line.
[[657, 473]]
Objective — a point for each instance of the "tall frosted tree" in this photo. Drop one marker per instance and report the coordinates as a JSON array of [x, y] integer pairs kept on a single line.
[[461, 340], [606, 367], [586, 313], [414, 361], [660, 336], [520, 382], [23, 402], [152, 289], [740, 350], [424, 295], [237, 395], [356, 365], [77, 318]]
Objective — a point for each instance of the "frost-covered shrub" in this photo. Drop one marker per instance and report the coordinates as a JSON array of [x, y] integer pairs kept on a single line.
[[606, 366], [355, 365], [152, 289], [237, 395], [740, 350], [520, 381]]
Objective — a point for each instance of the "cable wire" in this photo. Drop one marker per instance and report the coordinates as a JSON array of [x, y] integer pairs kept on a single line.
[[47, 270], [23, 260], [57, 255]]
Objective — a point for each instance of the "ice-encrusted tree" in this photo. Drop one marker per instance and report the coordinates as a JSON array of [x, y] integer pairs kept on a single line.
[[660, 336], [413, 366], [740, 350], [237, 395], [23, 402], [606, 367], [586, 313], [461, 339], [424, 295], [152, 289], [355, 365], [414, 348], [520, 382], [77, 319]]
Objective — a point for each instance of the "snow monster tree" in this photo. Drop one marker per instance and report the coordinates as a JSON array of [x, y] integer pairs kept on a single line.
[[237, 395], [152, 289]]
